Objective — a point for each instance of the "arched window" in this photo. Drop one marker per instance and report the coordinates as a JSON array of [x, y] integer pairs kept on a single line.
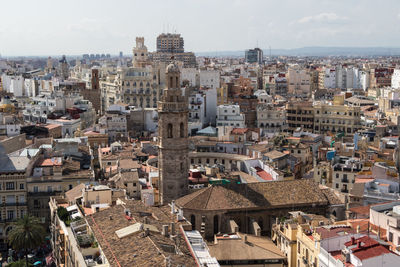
[[216, 226], [193, 221], [182, 130], [169, 130], [170, 82], [261, 223]]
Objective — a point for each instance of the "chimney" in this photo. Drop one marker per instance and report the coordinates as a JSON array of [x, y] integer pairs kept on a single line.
[[359, 244], [146, 220], [165, 230], [245, 238], [358, 229], [353, 240], [173, 206]]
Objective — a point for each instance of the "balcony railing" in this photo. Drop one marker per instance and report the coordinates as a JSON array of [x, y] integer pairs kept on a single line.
[[45, 193], [10, 204]]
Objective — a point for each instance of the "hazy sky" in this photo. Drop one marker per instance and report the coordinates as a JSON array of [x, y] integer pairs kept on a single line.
[[74, 27]]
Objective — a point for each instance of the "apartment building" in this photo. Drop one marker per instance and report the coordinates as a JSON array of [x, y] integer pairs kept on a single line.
[[139, 87], [344, 175], [13, 193], [300, 114], [336, 119], [298, 82], [230, 115], [386, 218], [271, 119], [284, 233]]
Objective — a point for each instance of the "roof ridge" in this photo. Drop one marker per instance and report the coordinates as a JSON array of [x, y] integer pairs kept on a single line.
[[209, 196], [207, 190]]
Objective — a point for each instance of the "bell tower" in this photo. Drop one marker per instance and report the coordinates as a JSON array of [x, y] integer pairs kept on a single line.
[[140, 54], [173, 138]]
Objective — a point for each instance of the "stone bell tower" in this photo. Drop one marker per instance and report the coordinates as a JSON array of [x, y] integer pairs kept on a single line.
[[140, 54], [173, 160]]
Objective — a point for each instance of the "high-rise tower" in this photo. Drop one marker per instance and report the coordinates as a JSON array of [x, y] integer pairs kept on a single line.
[[173, 138]]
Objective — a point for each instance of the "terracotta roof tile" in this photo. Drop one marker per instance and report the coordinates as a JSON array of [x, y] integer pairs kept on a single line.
[[254, 195]]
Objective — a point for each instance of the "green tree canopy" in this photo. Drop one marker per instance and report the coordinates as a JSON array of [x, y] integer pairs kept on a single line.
[[26, 234]]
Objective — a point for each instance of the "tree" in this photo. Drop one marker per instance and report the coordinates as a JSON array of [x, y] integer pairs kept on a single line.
[[26, 234], [20, 263]]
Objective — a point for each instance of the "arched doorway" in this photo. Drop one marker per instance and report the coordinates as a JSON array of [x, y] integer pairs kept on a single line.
[[193, 221], [216, 224], [260, 222]]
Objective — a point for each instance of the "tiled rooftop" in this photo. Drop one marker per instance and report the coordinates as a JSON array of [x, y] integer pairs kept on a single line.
[[135, 249], [254, 195]]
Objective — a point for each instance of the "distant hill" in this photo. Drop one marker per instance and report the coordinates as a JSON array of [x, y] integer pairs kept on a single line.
[[315, 51]]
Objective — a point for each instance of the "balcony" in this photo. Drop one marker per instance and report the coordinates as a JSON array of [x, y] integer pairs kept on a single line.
[[344, 180], [344, 190], [44, 193], [11, 204]]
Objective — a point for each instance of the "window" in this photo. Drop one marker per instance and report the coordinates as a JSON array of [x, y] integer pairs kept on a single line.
[[182, 130], [21, 199], [337, 185], [36, 204], [49, 189], [10, 215], [35, 189], [21, 186], [169, 130], [390, 236], [10, 199], [10, 186]]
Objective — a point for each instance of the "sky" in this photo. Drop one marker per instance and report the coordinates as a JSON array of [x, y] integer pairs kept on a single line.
[[75, 27]]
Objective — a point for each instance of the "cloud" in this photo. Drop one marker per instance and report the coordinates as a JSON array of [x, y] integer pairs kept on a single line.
[[323, 18]]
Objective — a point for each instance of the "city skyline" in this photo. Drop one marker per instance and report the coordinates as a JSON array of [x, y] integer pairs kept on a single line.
[[95, 27]]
